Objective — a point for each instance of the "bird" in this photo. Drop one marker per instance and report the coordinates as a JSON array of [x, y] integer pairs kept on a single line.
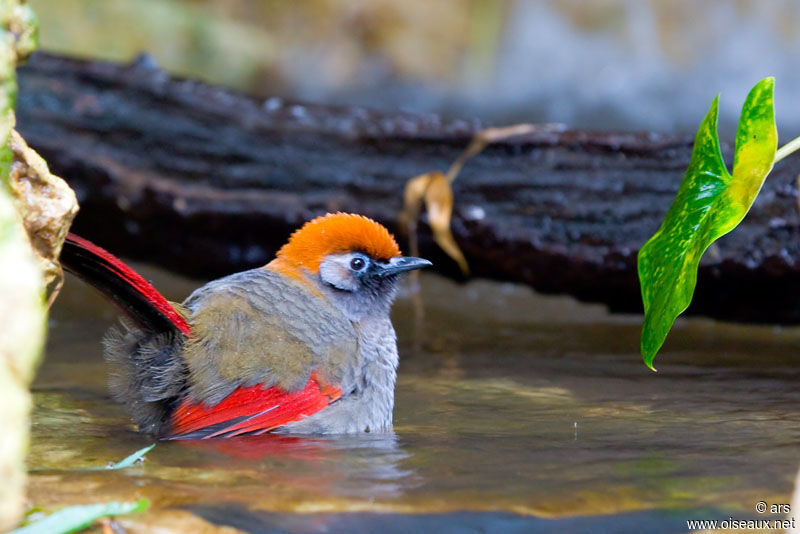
[[302, 345]]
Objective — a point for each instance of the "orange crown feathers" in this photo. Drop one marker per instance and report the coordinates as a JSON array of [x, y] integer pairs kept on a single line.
[[337, 233]]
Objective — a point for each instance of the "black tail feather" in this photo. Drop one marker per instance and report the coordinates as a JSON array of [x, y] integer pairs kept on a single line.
[[136, 297]]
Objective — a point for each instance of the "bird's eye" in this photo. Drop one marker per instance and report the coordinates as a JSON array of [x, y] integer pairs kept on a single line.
[[358, 264]]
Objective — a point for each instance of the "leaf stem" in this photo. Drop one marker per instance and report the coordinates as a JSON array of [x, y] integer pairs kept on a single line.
[[787, 149]]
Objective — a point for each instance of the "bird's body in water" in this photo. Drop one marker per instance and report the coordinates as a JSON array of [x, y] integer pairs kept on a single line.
[[303, 345]]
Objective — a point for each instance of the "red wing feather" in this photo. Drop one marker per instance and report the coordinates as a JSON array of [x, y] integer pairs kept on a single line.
[[252, 410]]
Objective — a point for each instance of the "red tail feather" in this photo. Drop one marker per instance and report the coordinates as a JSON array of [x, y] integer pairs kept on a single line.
[[132, 293]]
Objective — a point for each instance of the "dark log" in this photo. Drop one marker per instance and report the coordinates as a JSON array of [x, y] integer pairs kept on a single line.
[[207, 181]]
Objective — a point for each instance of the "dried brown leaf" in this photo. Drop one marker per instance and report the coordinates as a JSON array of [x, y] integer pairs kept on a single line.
[[435, 189], [483, 138], [412, 206], [413, 197], [439, 203]]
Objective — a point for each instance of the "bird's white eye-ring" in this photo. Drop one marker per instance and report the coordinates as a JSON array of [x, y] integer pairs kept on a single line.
[[358, 264]]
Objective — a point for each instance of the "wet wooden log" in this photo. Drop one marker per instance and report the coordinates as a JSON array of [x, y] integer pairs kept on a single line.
[[207, 181]]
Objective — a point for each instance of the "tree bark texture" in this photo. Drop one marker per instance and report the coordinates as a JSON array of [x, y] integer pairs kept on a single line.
[[207, 181]]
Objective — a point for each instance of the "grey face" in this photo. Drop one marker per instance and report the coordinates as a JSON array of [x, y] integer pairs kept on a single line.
[[360, 286]]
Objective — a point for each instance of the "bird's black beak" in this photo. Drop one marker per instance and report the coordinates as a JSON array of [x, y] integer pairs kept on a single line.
[[401, 264]]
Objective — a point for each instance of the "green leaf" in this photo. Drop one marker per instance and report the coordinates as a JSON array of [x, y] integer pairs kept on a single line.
[[75, 518], [130, 460], [709, 204]]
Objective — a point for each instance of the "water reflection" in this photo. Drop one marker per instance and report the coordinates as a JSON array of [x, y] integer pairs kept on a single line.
[[366, 466], [484, 422]]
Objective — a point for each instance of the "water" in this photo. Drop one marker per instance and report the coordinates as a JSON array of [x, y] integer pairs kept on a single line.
[[515, 412]]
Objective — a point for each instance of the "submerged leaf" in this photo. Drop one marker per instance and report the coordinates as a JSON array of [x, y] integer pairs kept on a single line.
[[132, 459], [710, 203], [75, 518], [128, 461]]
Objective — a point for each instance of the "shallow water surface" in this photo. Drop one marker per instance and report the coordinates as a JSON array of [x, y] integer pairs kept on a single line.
[[515, 412]]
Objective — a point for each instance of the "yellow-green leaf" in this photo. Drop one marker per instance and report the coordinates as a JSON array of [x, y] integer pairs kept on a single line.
[[710, 203]]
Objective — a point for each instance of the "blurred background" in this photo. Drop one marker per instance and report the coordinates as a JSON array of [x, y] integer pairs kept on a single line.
[[508, 402], [600, 64]]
